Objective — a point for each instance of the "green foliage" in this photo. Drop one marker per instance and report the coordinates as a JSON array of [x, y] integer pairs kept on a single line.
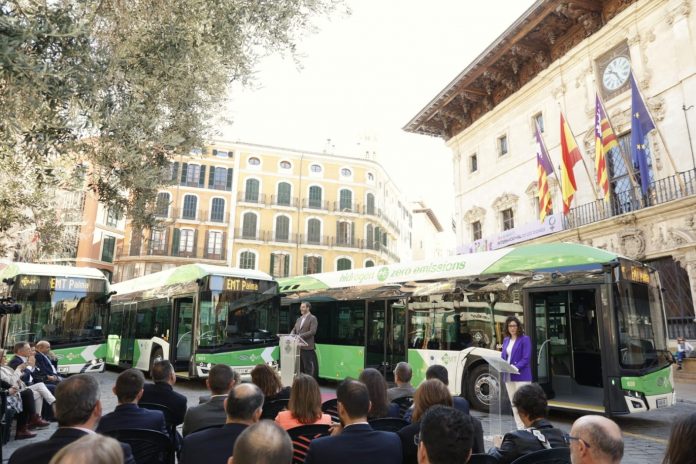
[[123, 85]]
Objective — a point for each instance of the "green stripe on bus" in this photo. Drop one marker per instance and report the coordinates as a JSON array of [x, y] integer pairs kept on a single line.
[[418, 365], [240, 358], [549, 256], [80, 354], [656, 383], [338, 362]]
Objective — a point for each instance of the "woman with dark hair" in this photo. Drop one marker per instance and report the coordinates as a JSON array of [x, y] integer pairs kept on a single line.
[[266, 378], [377, 390], [517, 350], [681, 439], [304, 407]]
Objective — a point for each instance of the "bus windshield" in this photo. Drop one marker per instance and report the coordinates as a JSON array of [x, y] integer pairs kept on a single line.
[[642, 343], [60, 317], [235, 318]]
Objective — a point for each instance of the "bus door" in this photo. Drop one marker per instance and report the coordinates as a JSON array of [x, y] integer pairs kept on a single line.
[[128, 334], [181, 345], [385, 345], [565, 332]]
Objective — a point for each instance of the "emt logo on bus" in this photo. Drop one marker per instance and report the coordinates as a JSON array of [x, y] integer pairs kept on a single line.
[[241, 285]]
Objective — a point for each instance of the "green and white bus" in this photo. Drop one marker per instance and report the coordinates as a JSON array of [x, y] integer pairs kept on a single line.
[[195, 315], [65, 306], [595, 318]]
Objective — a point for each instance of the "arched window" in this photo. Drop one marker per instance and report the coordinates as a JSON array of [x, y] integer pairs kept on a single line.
[[369, 237], [345, 172], [315, 168], [249, 226], [282, 232], [343, 264], [285, 164], [217, 210], [311, 264], [314, 231], [314, 196], [252, 191], [345, 233], [284, 192], [370, 204], [369, 263], [280, 264], [254, 161], [190, 206], [162, 205], [378, 238], [247, 260], [346, 200]]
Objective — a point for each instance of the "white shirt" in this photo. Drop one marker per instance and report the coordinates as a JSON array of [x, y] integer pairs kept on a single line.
[[302, 321], [509, 349]]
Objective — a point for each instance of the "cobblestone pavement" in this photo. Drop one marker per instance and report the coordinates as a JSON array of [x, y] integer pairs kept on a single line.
[[645, 434]]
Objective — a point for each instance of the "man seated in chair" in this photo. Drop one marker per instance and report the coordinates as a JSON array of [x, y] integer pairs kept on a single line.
[[538, 433], [162, 392], [243, 406], [128, 415], [262, 443], [402, 377], [446, 436], [220, 381]]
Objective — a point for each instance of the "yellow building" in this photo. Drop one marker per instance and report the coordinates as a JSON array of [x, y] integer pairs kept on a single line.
[[281, 211]]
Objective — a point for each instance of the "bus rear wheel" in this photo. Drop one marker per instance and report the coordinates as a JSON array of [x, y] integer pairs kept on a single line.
[[482, 388], [155, 357]]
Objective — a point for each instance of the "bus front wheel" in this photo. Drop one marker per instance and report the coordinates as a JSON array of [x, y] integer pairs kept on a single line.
[[155, 357], [482, 388]]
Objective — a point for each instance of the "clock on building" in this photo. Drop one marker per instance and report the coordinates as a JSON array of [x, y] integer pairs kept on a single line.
[[616, 73]]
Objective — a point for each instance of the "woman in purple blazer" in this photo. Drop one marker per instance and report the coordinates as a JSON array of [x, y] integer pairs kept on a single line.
[[517, 350]]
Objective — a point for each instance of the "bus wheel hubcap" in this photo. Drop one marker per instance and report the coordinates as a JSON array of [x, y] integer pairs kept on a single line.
[[485, 387]]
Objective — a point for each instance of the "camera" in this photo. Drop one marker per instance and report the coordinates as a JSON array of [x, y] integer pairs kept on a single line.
[[9, 306]]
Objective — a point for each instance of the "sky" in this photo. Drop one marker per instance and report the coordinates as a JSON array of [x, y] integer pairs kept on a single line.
[[362, 77]]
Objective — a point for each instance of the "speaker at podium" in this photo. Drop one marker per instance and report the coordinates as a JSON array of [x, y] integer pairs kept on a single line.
[[289, 346]]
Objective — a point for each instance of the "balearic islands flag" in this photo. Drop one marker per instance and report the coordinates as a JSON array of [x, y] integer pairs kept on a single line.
[[570, 154], [544, 170]]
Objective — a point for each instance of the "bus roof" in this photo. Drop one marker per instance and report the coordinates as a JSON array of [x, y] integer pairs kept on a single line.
[[514, 259], [182, 274], [52, 270]]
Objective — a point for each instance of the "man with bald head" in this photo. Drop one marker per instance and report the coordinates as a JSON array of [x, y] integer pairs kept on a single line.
[[243, 407], [263, 443], [595, 440]]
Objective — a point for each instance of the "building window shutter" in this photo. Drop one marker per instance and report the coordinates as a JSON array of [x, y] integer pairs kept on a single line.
[[211, 177], [222, 246], [175, 171], [286, 266], [205, 245], [175, 242], [272, 263], [229, 179], [201, 177], [184, 171], [351, 239]]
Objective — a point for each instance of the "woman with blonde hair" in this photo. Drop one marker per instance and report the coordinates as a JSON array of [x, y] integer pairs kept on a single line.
[[268, 380], [429, 393], [304, 407], [90, 449]]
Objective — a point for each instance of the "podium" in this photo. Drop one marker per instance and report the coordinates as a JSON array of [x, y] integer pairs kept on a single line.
[[499, 371], [289, 346]]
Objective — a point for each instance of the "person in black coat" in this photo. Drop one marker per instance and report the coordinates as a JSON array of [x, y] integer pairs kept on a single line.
[[243, 406], [538, 434], [128, 415], [44, 366], [355, 441], [446, 435], [162, 391], [78, 411]]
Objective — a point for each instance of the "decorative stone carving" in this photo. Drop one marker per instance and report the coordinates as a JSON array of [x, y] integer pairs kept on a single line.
[[542, 59], [680, 237], [656, 151], [474, 214], [505, 201], [591, 22], [632, 243], [657, 108]]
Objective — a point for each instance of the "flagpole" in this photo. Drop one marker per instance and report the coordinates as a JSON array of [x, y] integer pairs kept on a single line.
[[682, 186], [582, 158], [626, 160]]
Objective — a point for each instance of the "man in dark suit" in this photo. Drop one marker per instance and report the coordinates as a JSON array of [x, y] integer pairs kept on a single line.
[[220, 381], [128, 415], [262, 443], [446, 435], [24, 356], [243, 406], [25, 361], [44, 365], [306, 329], [538, 434], [355, 441], [162, 391], [78, 410]]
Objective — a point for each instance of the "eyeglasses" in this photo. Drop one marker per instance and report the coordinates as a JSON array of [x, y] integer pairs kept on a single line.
[[568, 438], [416, 439]]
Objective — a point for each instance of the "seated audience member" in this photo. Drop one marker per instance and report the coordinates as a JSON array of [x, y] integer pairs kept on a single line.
[[78, 411], [90, 449], [377, 389], [220, 381], [304, 407], [243, 406], [429, 393], [355, 441], [128, 415], [595, 440], [446, 436], [538, 434], [402, 377], [262, 443], [681, 439], [162, 390], [44, 364], [439, 372], [267, 379]]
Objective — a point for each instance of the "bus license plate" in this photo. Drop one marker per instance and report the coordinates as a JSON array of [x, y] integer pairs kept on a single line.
[[63, 370], [662, 402]]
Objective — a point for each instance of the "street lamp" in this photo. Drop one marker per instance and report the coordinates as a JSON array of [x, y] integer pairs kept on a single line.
[[688, 131]]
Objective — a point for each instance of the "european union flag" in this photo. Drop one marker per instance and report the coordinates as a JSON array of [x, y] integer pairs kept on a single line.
[[641, 124]]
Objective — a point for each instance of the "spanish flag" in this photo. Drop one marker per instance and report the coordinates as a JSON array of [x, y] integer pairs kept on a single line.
[[570, 154], [605, 140]]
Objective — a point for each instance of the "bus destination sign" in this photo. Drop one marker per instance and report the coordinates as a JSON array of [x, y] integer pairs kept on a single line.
[[635, 273], [237, 284], [60, 284]]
